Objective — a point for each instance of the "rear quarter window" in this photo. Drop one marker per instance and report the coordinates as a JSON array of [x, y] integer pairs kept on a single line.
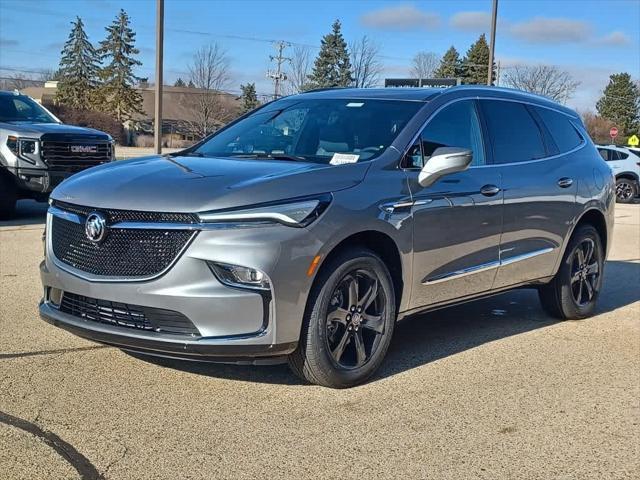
[[515, 135], [563, 133]]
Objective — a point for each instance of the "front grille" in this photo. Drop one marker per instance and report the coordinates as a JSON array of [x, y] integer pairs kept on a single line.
[[122, 253], [126, 315], [59, 156], [115, 216]]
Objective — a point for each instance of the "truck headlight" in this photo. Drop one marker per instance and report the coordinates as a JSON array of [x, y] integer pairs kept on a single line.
[[24, 148], [239, 276], [293, 213]]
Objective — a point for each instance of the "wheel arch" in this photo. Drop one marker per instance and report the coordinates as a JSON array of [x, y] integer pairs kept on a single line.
[[382, 245], [628, 175]]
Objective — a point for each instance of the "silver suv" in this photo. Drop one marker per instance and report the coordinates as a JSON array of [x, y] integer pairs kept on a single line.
[[304, 230], [37, 151]]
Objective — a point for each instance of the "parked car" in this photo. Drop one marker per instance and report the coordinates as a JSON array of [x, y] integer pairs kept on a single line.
[[379, 204], [626, 167], [37, 151]]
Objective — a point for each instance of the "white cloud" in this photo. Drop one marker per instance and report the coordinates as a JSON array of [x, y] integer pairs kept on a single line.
[[401, 17], [616, 38], [551, 30], [471, 21]]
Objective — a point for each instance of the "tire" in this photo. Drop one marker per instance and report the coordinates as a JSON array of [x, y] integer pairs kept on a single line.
[[626, 190], [574, 291], [345, 348], [8, 198]]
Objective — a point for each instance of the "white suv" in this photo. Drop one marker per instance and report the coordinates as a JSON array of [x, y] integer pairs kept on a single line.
[[626, 168]]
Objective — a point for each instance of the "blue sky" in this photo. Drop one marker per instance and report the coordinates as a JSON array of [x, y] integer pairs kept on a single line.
[[589, 38]]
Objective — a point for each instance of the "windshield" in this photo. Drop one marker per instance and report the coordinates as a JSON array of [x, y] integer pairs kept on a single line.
[[321, 131], [18, 108]]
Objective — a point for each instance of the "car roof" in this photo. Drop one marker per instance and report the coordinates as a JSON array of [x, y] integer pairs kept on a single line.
[[14, 93], [429, 94]]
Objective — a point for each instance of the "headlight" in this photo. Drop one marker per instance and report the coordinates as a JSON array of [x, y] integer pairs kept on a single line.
[[25, 148], [238, 276], [294, 213]]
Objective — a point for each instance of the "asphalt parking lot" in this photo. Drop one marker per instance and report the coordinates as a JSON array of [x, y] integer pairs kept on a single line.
[[493, 389]]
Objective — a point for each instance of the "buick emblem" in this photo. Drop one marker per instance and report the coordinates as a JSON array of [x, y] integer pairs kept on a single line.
[[95, 227]]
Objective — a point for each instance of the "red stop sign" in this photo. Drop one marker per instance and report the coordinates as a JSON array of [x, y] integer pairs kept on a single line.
[[613, 132]]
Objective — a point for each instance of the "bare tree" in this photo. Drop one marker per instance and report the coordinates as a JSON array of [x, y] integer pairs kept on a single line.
[[424, 64], [209, 72], [545, 80], [365, 62], [300, 63]]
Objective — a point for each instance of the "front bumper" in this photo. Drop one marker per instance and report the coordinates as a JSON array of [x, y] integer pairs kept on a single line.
[[234, 324], [167, 345]]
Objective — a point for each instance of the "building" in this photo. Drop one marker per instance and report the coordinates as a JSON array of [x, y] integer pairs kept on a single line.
[[182, 118]]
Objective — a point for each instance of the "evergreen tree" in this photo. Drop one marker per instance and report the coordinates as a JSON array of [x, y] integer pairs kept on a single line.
[[249, 97], [179, 83], [449, 65], [78, 71], [118, 95], [475, 63], [332, 67], [620, 103], [191, 84]]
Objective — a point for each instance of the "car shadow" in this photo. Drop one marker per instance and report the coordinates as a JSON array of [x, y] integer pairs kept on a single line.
[[425, 338], [28, 212]]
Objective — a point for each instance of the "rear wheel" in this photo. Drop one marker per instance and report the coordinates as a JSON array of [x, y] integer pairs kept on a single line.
[[573, 292], [8, 198], [349, 322], [626, 190]]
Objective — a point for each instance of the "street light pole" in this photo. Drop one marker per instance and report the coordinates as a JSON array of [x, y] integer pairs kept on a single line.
[[492, 47], [157, 134]]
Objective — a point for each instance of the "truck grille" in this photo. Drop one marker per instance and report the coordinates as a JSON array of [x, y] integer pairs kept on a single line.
[[126, 315], [123, 252], [71, 154]]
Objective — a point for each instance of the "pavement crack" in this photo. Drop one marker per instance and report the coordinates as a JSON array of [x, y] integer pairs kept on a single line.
[[68, 452], [5, 356]]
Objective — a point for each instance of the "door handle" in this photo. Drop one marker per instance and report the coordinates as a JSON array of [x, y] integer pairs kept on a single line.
[[489, 190], [565, 182]]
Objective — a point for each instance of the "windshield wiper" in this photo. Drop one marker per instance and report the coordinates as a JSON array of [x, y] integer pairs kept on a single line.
[[267, 156]]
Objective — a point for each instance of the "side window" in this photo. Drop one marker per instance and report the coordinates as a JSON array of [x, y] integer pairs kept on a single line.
[[614, 155], [514, 134], [455, 126], [564, 134], [623, 156], [604, 153]]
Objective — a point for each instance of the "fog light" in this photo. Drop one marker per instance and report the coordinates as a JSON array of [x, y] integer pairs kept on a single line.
[[28, 146], [239, 276]]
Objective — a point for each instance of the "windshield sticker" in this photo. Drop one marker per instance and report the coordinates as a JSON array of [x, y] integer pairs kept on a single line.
[[342, 158], [358, 104]]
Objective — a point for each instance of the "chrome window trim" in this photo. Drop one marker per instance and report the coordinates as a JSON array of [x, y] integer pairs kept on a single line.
[[486, 266], [582, 144]]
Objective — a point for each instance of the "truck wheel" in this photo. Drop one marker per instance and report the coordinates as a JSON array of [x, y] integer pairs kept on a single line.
[[573, 292], [349, 321], [626, 190], [8, 198]]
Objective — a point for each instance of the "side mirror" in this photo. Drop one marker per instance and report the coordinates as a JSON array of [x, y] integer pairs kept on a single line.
[[445, 160]]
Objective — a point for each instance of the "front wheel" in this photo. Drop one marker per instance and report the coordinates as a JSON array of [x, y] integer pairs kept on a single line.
[[573, 292], [349, 321], [626, 190]]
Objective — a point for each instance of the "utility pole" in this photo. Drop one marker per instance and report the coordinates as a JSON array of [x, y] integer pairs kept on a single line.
[[157, 134], [278, 76], [492, 47]]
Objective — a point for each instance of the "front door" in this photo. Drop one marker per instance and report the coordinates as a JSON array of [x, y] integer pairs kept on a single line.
[[457, 220]]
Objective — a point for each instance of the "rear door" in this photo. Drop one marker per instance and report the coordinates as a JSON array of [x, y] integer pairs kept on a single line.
[[539, 178], [457, 220]]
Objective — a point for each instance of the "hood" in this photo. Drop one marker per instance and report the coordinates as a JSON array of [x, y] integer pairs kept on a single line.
[[193, 184], [22, 128]]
